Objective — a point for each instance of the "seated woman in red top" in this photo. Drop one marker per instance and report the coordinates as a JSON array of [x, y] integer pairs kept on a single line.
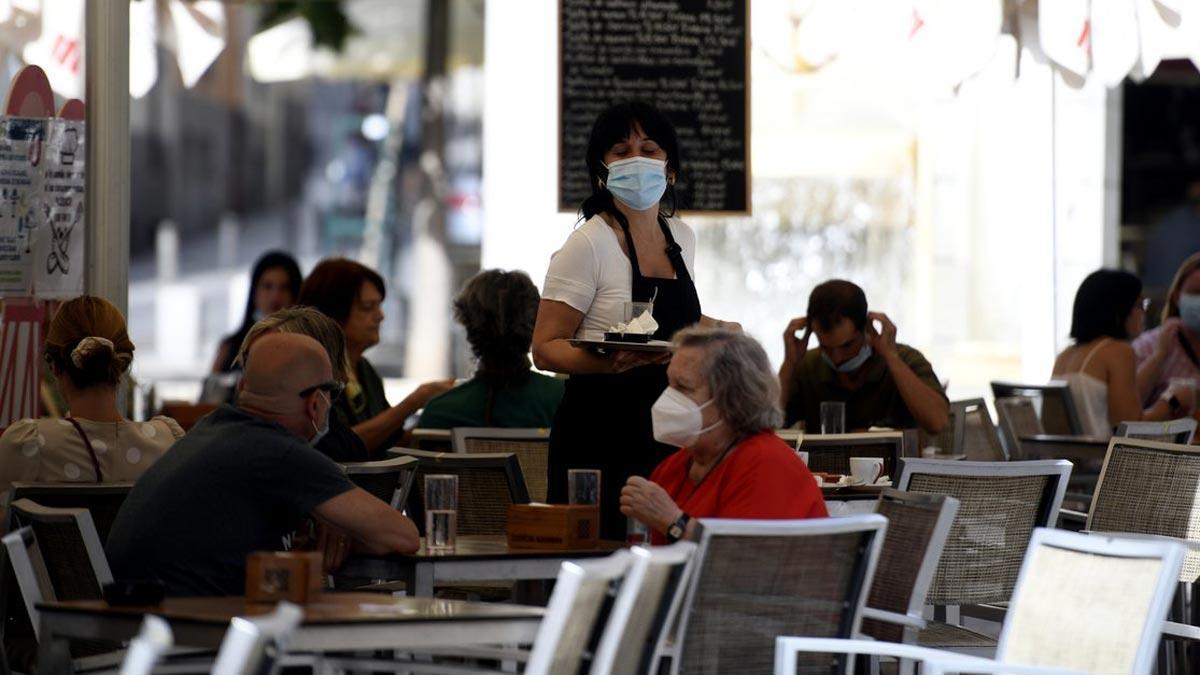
[[721, 408]]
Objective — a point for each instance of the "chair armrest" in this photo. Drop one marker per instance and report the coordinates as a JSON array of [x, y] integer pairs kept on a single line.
[[1180, 630], [907, 620], [936, 661]]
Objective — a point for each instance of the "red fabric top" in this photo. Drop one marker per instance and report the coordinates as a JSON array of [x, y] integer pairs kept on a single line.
[[760, 478]]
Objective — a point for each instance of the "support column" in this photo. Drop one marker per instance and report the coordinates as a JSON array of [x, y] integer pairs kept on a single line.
[[106, 36]]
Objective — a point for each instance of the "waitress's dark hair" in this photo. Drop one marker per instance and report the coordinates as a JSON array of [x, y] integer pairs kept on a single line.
[[498, 310], [269, 261], [613, 126], [1102, 304]]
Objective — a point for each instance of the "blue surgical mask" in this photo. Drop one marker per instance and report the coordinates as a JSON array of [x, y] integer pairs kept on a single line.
[[853, 364], [637, 182], [1189, 310]]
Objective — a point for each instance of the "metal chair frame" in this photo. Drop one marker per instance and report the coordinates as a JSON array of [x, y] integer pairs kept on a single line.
[[405, 467], [69, 495], [1183, 430], [675, 626], [432, 461], [1052, 390], [938, 661]]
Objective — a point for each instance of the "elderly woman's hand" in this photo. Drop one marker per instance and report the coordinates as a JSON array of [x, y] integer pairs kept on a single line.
[[649, 503]]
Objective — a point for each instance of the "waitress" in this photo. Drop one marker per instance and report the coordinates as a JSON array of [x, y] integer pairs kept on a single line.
[[629, 248]]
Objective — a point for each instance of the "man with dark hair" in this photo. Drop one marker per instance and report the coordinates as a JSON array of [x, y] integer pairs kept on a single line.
[[882, 383]]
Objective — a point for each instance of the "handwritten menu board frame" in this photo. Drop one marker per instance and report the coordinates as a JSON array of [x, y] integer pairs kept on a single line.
[[691, 59]]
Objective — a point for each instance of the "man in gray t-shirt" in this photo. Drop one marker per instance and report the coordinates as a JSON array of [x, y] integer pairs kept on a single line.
[[243, 479]]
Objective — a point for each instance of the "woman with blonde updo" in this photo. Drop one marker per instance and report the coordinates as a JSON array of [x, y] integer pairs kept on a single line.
[[88, 350]]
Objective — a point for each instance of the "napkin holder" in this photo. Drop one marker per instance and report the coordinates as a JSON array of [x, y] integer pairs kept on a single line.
[[553, 527], [294, 576]]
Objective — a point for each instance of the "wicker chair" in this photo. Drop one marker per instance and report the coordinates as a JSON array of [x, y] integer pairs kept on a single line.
[[970, 433], [1058, 412], [487, 485], [831, 453], [756, 579], [1018, 418], [918, 525], [655, 577], [56, 555], [434, 440], [1082, 603], [1150, 488], [1000, 504], [531, 446], [575, 615], [390, 479], [102, 500], [1180, 431]]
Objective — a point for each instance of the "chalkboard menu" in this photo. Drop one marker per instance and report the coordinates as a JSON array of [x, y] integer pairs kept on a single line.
[[687, 57]]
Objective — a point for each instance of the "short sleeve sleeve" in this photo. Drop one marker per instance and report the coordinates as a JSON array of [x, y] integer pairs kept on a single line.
[[20, 447], [924, 370], [686, 238], [571, 277], [171, 425], [303, 478]]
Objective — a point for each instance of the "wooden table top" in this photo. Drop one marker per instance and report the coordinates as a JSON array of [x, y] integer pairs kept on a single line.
[[489, 546], [328, 608]]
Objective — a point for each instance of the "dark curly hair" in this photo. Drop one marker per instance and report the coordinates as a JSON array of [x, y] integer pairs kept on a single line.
[[498, 310]]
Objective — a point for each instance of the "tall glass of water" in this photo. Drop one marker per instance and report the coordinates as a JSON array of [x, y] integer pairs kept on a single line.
[[833, 417], [583, 486], [441, 512]]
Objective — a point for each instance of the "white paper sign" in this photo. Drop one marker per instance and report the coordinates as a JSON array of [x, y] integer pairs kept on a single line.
[[58, 254], [22, 141]]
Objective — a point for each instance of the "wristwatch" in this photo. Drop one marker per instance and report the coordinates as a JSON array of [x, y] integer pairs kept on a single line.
[[677, 529]]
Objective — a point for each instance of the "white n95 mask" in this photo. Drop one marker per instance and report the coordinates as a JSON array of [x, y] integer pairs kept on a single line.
[[678, 420]]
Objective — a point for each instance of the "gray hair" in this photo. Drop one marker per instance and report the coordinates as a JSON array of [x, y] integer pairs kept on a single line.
[[739, 375]]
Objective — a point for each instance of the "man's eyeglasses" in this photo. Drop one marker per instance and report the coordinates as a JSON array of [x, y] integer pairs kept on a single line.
[[331, 388]]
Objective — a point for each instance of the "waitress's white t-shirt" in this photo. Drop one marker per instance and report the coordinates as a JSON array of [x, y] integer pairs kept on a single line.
[[592, 274]]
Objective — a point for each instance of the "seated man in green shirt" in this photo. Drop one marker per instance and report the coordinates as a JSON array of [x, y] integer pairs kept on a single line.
[[498, 310], [882, 383]]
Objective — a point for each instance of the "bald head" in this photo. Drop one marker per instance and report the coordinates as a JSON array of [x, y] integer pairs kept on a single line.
[[279, 366]]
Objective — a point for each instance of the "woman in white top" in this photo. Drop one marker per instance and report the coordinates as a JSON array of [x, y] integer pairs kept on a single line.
[[629, 248], [1100, 367], [88, 350]]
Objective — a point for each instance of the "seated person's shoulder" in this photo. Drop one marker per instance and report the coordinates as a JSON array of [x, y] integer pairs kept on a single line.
[[162, 423], [21, 432], [766, 451], [910, 354]]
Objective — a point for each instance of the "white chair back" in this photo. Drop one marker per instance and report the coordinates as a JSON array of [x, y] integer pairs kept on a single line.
[[573, 614], [1090, 603], [639, 613], [152, 641], [254, 645]]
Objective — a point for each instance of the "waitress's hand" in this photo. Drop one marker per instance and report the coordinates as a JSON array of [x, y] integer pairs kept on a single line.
[[649, 503], [623, 360]]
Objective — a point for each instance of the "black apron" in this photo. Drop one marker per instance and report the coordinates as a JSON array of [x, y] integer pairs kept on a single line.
[[603, 421]]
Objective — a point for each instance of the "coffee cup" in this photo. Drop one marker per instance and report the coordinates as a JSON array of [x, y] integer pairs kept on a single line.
[[866, 470]]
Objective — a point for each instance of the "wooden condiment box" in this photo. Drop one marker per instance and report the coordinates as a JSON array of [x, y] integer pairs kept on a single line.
[[553, 527], [294, 576]]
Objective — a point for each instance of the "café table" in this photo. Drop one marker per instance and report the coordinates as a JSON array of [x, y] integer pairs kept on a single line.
[[475, 558], [332, 622]]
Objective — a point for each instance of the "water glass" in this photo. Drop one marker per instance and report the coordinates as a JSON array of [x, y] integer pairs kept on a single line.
[[441, 512], [633, 310], [583, 486], [637, 533], [833, 417]]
